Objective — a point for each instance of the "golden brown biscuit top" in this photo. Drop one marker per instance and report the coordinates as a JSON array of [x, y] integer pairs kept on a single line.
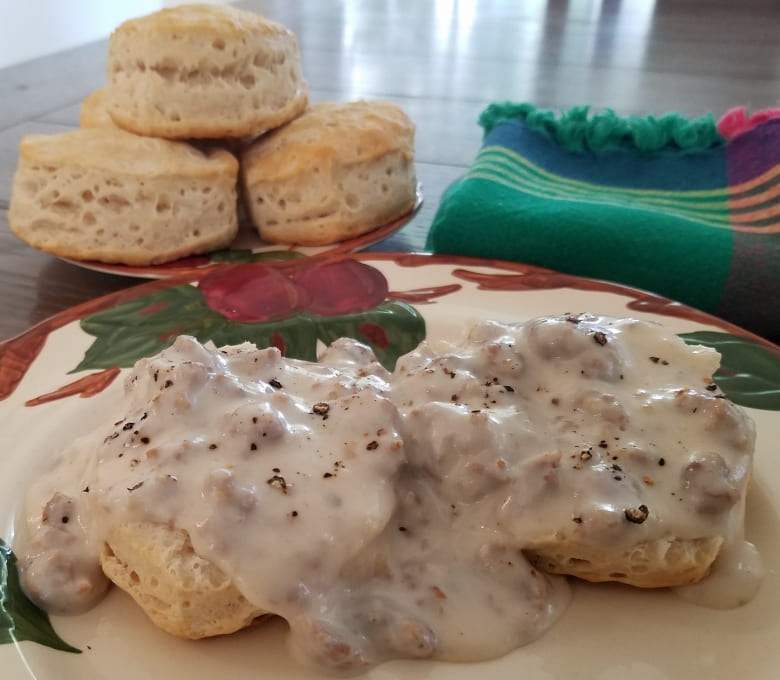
[[223, 20], [348, 133], [115, 150]]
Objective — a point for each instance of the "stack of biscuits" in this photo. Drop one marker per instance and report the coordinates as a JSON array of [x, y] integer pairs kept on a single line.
[[203, 104]]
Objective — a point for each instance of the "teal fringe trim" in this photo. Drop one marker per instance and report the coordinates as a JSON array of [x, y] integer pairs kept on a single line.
[[580, 130]]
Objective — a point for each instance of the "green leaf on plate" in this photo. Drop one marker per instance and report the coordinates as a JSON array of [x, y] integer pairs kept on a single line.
[[20, 619], [246, 255], [296, 335], [392, 328], [749, 374], [147, 325]]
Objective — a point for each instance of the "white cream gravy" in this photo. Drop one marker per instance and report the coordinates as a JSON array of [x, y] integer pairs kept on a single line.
[[387, 516]]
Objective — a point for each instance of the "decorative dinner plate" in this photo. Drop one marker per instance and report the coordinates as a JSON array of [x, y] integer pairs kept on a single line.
[[60, 377], [249, 247]]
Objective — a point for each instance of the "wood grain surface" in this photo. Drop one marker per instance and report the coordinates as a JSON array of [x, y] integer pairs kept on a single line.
[[443, 61]]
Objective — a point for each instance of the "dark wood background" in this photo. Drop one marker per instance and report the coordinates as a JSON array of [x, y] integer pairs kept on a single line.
[[443, 61]]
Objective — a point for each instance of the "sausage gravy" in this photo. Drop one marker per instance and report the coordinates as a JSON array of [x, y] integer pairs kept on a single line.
[[393, 516]]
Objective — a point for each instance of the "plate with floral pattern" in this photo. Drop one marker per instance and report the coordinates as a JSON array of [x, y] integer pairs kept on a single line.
[[61, 377]]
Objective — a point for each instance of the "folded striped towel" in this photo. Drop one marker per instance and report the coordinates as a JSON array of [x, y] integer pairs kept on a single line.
[[687, 209]]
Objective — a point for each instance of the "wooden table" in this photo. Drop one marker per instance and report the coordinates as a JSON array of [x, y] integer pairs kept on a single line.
[[443, 61]]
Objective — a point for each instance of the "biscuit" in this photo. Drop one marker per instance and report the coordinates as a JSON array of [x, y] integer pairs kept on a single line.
[[203, 71], [661, 563], [336, 172], [93, 112], [182, 593], [107, 195], [601, 446]]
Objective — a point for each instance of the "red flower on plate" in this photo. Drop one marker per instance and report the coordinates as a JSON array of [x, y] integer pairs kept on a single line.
[[252, 293], [257, 292], [341, 287]]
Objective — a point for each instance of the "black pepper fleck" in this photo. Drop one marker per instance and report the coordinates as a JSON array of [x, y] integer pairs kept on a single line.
[[661, 462], [275, 383], [168, 383], [138, 485], [327, 475], [128, 426], [144, 440], [600, 338], [253, 447], [278, 482], [372, 445]]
